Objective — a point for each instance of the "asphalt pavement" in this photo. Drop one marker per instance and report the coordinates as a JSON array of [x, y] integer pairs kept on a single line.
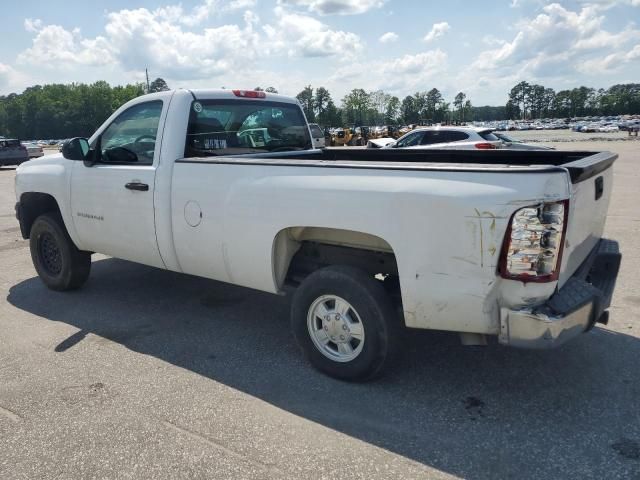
[[150, 374]]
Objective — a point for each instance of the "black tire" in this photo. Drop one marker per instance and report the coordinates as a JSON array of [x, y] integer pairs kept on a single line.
[[59, 263], [375, 311]]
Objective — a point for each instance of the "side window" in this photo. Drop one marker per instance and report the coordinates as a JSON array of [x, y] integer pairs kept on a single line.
[[434, 136], [410, 140], [132, 132], [457, 136]]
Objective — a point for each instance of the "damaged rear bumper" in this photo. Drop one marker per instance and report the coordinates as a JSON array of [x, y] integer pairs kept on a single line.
[[575, 308]]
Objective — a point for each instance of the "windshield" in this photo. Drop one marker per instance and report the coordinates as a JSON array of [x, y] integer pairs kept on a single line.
[[233, 127]]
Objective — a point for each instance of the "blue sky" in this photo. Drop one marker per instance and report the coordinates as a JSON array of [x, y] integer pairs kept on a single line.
[[400, 46]]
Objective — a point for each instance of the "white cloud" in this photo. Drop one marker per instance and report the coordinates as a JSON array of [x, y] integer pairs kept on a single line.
[[611, 63], [31, 25], [303, 36], [176, 14], [438, 30], [5, 73], [137, 39], [556, 42], [388, 37], [11, 78], [400, 76], [241, 4], [54, 45], [141, 38], [335, 7]]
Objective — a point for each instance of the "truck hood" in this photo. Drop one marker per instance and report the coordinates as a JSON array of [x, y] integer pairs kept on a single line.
[[53, 159]]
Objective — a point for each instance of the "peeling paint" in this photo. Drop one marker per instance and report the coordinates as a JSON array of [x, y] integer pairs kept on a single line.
[[481, 240]]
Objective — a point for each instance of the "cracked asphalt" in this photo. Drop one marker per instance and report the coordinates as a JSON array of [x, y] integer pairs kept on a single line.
[[150, 374]]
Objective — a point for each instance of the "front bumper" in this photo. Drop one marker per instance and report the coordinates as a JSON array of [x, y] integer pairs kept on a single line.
[[575, 308]]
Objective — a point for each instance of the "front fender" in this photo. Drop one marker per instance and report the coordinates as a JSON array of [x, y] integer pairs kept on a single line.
[[49, 175]]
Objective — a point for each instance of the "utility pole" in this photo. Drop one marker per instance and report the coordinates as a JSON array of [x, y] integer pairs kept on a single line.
[[146, 72]]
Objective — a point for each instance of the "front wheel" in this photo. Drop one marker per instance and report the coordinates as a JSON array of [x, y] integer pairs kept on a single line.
[[344, 321], [59, 263]]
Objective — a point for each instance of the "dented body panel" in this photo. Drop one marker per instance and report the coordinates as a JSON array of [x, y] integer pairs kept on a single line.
[[446, 231]]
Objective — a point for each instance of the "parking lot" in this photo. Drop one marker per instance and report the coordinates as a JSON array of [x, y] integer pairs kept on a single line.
[[147, 373]]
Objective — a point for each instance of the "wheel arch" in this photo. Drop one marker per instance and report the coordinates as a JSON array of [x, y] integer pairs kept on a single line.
[[300, 250], [32, 205]]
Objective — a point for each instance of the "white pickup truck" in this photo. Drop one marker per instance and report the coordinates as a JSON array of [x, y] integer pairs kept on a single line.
[[225, 184]]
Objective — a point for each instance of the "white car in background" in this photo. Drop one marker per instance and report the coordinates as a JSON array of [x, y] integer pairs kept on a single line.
[[443, 138]]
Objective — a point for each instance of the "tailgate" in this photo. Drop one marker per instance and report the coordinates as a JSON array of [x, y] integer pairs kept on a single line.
[[592, 181]]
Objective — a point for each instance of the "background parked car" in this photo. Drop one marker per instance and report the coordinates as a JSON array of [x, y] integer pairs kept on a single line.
[[34, 150], [12, 152], [456, 138]]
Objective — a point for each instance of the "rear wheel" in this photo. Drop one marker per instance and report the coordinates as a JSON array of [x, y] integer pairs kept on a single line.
[[344, 321], [59, 263]]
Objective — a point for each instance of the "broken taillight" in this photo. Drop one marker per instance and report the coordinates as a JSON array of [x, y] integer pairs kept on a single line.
[[533, 244]]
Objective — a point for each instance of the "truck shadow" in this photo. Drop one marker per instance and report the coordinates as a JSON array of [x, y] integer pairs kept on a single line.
[[472, 412]]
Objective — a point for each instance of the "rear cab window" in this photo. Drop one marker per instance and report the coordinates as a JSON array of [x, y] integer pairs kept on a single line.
[[236, 127]]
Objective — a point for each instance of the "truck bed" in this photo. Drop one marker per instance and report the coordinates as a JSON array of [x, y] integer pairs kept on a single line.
[[580, 165]]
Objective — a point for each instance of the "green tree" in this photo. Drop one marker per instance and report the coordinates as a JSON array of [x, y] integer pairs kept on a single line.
[[332, 115], [306, 99], [158, 85], [409, 110], [320, 102], [392, 111], [354, 106], [458, 103], [519, 96]]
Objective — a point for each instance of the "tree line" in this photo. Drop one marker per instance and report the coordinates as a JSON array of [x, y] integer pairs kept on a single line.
[[77, 109], [62, 111], [528, 101]]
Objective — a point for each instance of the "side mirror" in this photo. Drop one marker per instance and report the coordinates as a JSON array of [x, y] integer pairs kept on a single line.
[[75, 149]]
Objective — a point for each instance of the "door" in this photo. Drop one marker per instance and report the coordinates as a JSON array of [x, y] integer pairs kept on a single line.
[[112, 200]]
